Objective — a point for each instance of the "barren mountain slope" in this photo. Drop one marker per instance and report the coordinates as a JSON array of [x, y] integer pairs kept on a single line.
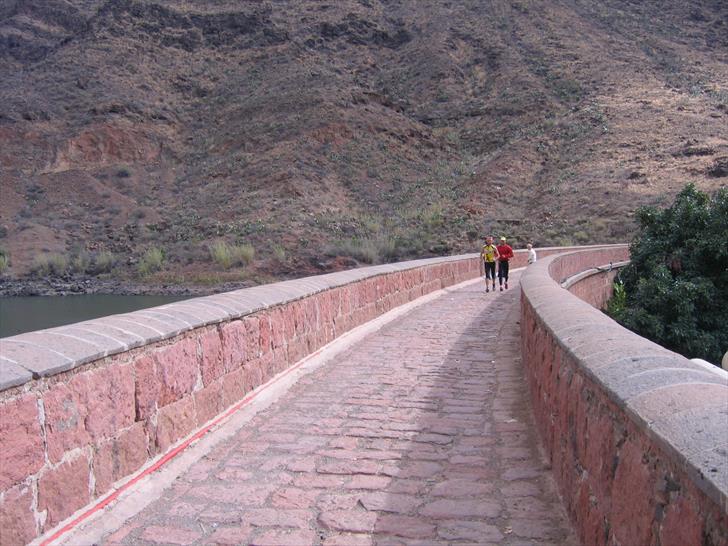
[[374, 129]]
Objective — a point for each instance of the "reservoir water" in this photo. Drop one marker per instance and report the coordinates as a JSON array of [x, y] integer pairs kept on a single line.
[[27, 313]]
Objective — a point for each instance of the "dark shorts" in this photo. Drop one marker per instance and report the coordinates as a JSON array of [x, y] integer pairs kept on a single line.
[[503, 270], [489, 270]]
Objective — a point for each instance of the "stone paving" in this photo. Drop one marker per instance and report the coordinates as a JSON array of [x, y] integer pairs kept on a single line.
[[419, 434]]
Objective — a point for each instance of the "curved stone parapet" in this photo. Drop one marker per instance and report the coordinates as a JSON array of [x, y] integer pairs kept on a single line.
[[85, 405], [637, 435]]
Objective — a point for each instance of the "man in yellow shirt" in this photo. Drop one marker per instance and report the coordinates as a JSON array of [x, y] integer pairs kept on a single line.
[[489, 255]]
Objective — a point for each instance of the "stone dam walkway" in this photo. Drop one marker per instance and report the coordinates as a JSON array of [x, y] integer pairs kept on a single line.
[[421, 433]]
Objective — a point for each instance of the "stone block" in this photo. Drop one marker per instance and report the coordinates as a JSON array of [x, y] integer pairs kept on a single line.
[[233, 344], [265, 333], [231, 536], [244, 301], [169, 534], [270, 295], [252, 337], [12, 375], [289, 322], [460, 508], [653, 406], [173, 324], [254, 371], [634, 485], [609, 350], [109, 401], [21, 444], [342, 324], [591, 514], [233, 386], [108, 344], [280, 361], [190, 319], [313, 312], [202, 313], [100, 328], [225, 312], [177, 369], [695, 431], [104, 467], [682, 523], [119, 457], [286, 537], [299, 349], [709, 471], [78, 350], [63, 490], [277, 328], [17, 523], [145, 332], [324, 308], [163, 326], [602, 437], [146, 387], [348, 521], [208, 402], [174, 422], [40, 361], [65, 414], [631, 386], [342, 299], [211, 359]]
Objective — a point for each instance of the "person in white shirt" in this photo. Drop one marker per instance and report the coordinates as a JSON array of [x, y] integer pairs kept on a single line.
[[531, 254]]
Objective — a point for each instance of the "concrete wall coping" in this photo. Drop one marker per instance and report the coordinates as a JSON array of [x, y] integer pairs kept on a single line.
[[678, 403], [54, 350], [44, 353], [571, 281], [712, 368]]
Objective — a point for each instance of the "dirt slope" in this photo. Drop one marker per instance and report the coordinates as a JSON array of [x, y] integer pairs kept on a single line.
[[331, 133]]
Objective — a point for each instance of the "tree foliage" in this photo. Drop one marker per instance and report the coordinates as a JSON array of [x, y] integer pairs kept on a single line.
[[675, 290]]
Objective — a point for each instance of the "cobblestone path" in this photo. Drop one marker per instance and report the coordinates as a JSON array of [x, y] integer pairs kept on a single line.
[[419, 434]]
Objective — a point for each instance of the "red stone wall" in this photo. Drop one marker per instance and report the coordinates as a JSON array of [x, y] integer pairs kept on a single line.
[[66, 439], [635, 434], [595, 289]]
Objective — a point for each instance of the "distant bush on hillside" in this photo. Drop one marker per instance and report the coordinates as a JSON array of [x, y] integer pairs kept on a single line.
[[151, 261], [49, 264], [279, 254], [81, 262], [675, 290], [377, 249], [227, 255], [76, 262], [103, 262], [4, 261]]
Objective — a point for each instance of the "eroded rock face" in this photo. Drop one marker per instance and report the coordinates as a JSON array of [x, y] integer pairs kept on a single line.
[[133, 122], [231, 28], [719, 169], [106, 145], [361, 32], [30, 29]]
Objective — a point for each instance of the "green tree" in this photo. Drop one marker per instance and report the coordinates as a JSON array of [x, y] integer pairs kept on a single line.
[[676, 286]]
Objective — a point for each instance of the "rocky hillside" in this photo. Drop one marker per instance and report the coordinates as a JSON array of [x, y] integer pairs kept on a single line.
[[330, 133]]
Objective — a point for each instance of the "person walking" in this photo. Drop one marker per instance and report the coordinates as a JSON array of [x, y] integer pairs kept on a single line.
[[531, 254], [505, 253], [489, 254]]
